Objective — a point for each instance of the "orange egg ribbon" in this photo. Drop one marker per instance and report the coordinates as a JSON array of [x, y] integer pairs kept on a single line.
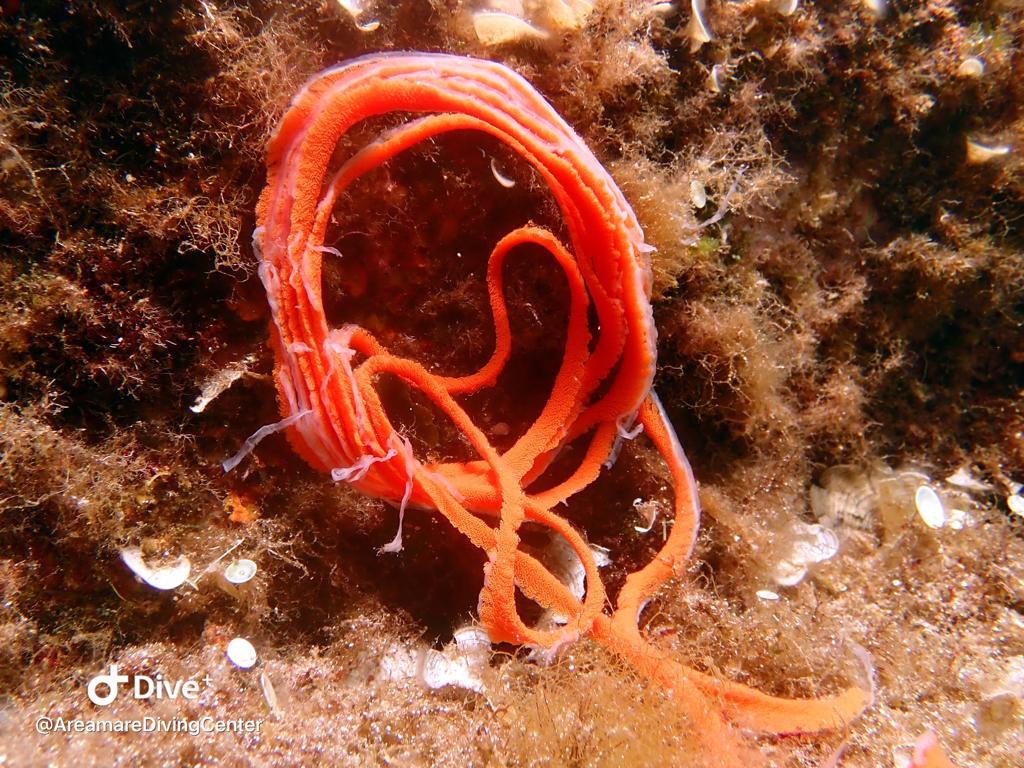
[[602, 392]]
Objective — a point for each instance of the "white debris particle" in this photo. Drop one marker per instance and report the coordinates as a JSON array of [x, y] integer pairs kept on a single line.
[[767, 594], [219, 382], [698, 195], [169, 575], [648, 511], [241, 653], [929, 507]]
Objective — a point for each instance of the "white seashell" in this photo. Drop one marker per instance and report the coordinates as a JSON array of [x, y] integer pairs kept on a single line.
[[929, 507], [964, 478], [472, 641], [170, 575], [971, 67], [767, 594], [565, 15], [460, 664], [1016, 504], [697, 30], [788, 574], [495, 28], [398, 663], [241, 653], [240, 572], [698, 195], [269, 693], [501, 178], [813, 544], [982, 153]]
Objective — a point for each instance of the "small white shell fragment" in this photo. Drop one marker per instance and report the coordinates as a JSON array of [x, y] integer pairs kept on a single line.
[[958, 519], [698, 195], [808, 545], [648, 510], [564, 15], [767, 594], [665, 8], [269, 694], [982, 153], [788, 574], [398, 663], [566, 566], [495, 28], [964, 478], [170, 575], [501, 178], [846, 497], [1016, 504], [716, 78], [813, 543], [241, 653], [786, 7], [972, 66], [472, 641], [461, 663], [437, 670], [697, 30], [929, 507], [240, 571]]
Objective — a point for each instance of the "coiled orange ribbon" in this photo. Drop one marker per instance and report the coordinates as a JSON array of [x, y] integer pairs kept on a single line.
[[335, 419]]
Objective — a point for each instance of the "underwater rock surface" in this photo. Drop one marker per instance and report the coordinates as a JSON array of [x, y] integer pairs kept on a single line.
[[835, 194]]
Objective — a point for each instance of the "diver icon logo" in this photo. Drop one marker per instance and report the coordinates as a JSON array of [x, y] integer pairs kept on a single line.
[[110, 681]]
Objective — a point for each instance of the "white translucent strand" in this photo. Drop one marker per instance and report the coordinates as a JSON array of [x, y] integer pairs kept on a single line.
[[254, 439]]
